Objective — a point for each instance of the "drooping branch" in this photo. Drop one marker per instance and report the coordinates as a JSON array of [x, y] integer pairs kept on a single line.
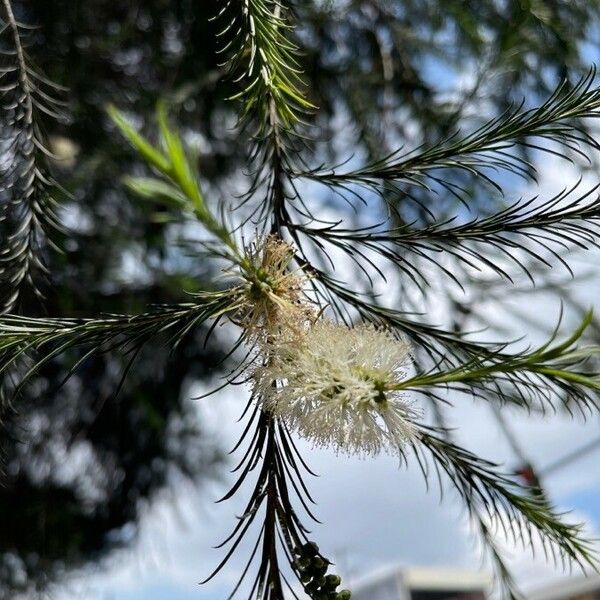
[[505, 505], [279, 484], [26, 201]]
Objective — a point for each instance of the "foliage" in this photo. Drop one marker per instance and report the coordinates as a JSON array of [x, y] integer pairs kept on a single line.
[[27, 205], [131, 445]]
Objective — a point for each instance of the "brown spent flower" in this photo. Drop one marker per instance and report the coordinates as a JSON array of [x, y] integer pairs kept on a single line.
[[272, 298]]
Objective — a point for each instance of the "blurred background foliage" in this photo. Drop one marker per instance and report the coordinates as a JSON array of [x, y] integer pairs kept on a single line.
[[79, 460]]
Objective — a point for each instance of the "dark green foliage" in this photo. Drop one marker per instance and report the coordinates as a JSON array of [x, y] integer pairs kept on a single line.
[[144, 436]]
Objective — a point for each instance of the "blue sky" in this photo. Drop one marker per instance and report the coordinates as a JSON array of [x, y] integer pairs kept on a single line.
[[585, 501]]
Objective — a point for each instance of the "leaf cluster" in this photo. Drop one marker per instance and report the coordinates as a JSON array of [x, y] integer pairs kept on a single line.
[[27, 202]]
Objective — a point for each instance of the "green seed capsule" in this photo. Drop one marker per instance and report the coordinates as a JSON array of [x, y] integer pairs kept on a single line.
[[310, 549], [319, 572]]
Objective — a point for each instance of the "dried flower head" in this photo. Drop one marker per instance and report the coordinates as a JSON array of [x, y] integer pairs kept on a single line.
[[336, 386], [272, 297]]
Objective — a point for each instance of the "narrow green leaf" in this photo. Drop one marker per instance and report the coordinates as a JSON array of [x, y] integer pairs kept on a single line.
[[182, 170], [157, 191], [141, 144]]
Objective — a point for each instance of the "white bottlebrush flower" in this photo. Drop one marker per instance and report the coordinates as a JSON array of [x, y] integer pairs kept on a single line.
[[272, 296], [335, 386]]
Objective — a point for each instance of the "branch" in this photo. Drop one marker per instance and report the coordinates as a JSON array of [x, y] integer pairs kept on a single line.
[[536, 376], [503, 503], [26, 201], [264, 59], [272, 454], [559, 223], [37, 341], [486, 148]]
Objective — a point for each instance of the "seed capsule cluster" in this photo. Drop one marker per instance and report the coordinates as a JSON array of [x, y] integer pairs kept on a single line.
[[312, 568]]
